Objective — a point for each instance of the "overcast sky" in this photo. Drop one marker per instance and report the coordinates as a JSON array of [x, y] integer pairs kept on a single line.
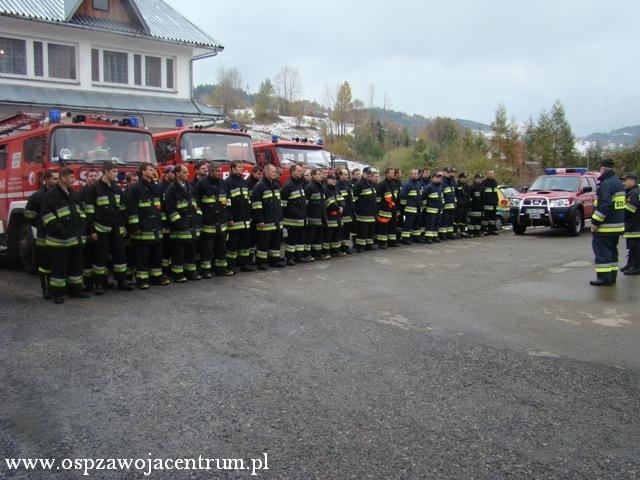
[[459, 58]]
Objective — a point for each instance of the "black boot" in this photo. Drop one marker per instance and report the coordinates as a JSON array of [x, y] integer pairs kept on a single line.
[[124, 285], [97, 289], [247, 268], [602, 281]]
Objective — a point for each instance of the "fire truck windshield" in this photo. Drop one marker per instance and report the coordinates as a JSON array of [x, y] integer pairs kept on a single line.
[[216, 147], [308, 156], [95, 145], [555, 183]]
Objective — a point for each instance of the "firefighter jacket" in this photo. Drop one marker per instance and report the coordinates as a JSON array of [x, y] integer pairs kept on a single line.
[[433, 198], [609, 217], [315, 194], [143, 204], [462, 195], [211, 196], [294, 203], [104, 208], [240, 198], [476, 205], [251, 183], [490, 193], [449, 193], [34, 218], [364, 196], [63, 219], [632, 213], [333, 203], [345, 189], [266, 205], [183, 213], [387, 201], [411, 196]]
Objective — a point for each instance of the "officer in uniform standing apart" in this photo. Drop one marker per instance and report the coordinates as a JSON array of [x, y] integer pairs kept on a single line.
[[490, 201], [106, 216], [65, 225], [294, 206], [632, 224], [33, 215], [607, 224]]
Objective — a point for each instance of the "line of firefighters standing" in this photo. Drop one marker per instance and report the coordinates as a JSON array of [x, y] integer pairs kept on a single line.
[[184, 229]]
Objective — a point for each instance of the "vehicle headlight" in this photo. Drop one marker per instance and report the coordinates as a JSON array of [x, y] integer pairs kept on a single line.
[[560, 202], [515, 202]]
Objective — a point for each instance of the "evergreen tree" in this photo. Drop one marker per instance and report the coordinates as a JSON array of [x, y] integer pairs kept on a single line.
[[264, 107]]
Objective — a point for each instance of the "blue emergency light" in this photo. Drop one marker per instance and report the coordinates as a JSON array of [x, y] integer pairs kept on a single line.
[[55, 116], [134, 122], [274, 138], [320, 142], [555, 171], [235, 126], [179, 122]]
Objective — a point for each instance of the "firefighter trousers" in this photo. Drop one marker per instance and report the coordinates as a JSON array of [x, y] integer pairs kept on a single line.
[[332, 240], [347, 228], [238, 247], [295, 242], [432, 225], [314, 238], [489, 218], [213, 251], [148, 257], [605, 250], [633, 246], [269, 244], [365, 232], [460, 220], [67, 265], [386, 232], [183, 259], [109, 243], [474, 222]]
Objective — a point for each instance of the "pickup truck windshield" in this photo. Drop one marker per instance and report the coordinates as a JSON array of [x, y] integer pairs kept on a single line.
[[211, 146], [315, 157], [551, 183]]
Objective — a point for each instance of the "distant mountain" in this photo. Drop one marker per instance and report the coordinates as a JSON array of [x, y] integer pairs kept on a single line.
[[626, 136]]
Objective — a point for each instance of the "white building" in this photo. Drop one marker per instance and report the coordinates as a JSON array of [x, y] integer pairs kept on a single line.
[[114, 57]]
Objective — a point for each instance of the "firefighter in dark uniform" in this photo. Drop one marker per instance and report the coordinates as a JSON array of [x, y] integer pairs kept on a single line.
[[267, 216], [239, 220], [433, 207], [33, 215], [168, 179], [449, 210], [397, 188], [364, 195], [184, 216], [462, 206], [294, 208], [345, 189], [607, 225], [316, 215], [252, 181], [212, 198], [490, 203], [476, 206], [334, 207], [632, 224], [411, 201], [65, 225], [106, 217], [91, 178], [144, 225], [387, 206]]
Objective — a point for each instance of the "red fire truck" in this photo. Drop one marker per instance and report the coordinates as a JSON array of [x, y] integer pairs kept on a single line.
[[283, 153], [194, 144], [30, 145]]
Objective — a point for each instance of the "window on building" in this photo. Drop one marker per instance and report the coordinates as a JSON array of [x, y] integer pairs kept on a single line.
[[101, 5], [13, 56], [115, 66], [170, 73], [95, 65], [3, 157], [34, 149], [38, 59], [137, 69], [62, 61], [153, 71]]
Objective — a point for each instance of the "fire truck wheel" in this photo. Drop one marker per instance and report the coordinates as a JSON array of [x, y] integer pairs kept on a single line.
[[27, 249], [518, 228]]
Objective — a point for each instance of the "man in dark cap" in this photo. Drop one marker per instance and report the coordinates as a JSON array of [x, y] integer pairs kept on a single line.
[[632, 224], [607, 224]]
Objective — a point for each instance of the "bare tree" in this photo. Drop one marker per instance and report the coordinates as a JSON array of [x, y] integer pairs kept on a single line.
[[288, 87], [227, 94], [329, 102]]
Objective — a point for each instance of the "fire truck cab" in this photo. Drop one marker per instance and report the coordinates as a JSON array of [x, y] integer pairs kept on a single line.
[[284, 153], [191, 145], [30, 145]]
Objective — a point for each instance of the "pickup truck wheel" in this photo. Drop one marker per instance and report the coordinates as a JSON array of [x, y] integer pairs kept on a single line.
[[518, 228], [27, 249], [499, 223], [576, 224]]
